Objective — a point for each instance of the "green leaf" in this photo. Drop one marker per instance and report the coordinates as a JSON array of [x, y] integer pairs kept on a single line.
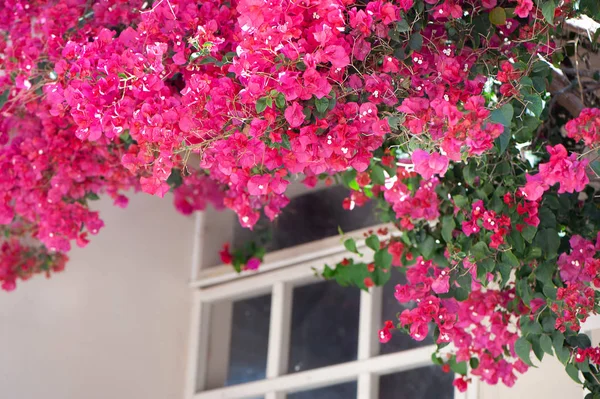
[[498, 16], [548, 8], [546, 344], [4, 98], [383, 259], [280, 100], [448, 226], [529, 327], [573, 372], [394, 122], [92, 196], [402, 26], [516, 241], [377, 175], [350, 245], [175, 179], [261, 105], [523, 350], [469, 173], [535, 345], [504, 272], [426, 247], [549, 241], [550, 291], [208, 60], [528, 233], [480, 251], [474, 363], [285, 141], [524, 291], [595, 165], [373, 242], [580, 341], [503, 115], [460, 200], [415, 42], [544, 272], [509, 258], [458, 367], [534, 104], [322, 104], [562, 353]]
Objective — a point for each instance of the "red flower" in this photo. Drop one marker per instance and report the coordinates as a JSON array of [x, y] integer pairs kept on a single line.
[[226, 256]]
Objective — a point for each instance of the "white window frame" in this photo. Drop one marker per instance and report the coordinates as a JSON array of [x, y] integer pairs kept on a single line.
[[281, 271]]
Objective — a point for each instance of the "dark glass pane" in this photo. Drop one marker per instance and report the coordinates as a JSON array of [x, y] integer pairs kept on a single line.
[[324, 325], [341, 391], [307, 218], [390, 309], [422, 383], [249, 340]]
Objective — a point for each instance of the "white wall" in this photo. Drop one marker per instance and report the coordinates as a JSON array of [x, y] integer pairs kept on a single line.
[[114, 324], [548, 381]]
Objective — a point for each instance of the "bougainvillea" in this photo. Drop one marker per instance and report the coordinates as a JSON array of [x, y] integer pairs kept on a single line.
[[446, 112]]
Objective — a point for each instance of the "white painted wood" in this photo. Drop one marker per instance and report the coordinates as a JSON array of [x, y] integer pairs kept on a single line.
[[370, 318], [367, 386], [592, 323], [197, 249], [331, 375], [197, 347], [275, 395], [283, 258], [279, 329], [219, 343], [472, 390], [261, 283]]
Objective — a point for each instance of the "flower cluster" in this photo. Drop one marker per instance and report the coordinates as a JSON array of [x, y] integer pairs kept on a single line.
[[479, 327], [426, 106], [585, 127], [567, 171], [490, 221]]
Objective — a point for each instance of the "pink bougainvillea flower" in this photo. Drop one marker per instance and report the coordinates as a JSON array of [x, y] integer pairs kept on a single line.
[[523, 8], [294, 115], [252, 264], [428, 165]]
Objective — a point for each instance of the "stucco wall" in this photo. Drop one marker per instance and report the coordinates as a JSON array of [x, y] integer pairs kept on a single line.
[[548, 381], [114, 324]]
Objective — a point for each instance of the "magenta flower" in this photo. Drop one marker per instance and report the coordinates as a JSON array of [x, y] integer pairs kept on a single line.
[[252, 264], [428, 165]]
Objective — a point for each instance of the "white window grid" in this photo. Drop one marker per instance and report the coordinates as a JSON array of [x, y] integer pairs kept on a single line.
[[279, 274]]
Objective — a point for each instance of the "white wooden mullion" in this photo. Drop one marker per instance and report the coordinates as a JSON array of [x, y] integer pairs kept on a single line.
[[283, 258], [197, 346], [472, 391], [592, 323], [326, 376], [198, 245], [279, 329], [369, 319], [261, 283], [367, 386]]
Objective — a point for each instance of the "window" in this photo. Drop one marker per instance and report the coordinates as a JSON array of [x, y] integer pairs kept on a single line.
[[282, 333]]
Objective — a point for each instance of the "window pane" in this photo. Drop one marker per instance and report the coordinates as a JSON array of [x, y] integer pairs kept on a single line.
[[422, 383], [390, 309], [324, 325], [341, 391], [307, 218], [238, 341], [249, 340]]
